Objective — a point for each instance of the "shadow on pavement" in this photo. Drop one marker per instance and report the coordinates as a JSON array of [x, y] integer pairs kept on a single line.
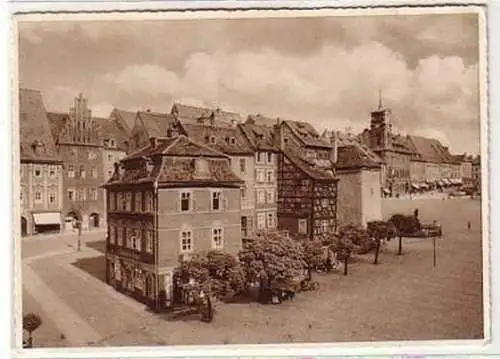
[[99, 246], [95, 266]]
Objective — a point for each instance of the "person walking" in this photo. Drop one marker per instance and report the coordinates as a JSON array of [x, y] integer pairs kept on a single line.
[[468, 225]]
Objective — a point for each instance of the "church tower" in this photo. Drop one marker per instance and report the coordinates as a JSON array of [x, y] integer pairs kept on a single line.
[[380, 127]]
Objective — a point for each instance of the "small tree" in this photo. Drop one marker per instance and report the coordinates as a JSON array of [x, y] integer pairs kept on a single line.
[[361, 241], [31, 322], [270, 256], [344, 244], [380, 230], [226, 273], [314, 256], [404, 225]]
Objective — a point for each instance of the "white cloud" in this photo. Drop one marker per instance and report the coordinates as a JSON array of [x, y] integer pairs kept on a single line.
[[333, 87], [59, 98], [101, 109]]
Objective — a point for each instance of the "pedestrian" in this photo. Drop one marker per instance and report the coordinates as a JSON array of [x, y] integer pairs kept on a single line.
[[79, 229], [468, 225]]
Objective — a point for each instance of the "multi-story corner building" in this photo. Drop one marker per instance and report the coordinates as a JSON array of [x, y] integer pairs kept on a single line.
[[392, 148], [78, 142], [228, 139], [307, 185], [41, 177], [171, 198], [149, 124], [465, 167], [359, 188], [476, 171], [265, 174]]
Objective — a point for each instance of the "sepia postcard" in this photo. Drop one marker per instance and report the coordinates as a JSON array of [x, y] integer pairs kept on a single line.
[[250, 179]]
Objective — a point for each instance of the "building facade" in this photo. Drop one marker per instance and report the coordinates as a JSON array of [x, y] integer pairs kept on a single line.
[[80, 147], [165, 201], [265, 174], [307, 186], [41, 168]]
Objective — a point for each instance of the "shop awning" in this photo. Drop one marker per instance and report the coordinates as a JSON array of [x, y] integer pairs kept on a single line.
[[416, 186], [386, 191], [47, 218]]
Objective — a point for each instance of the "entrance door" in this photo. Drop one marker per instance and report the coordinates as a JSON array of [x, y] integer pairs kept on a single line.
[[244, 226], [94, 220]]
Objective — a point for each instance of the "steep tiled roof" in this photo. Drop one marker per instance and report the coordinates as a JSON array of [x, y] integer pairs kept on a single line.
[[229, 140], [110, 130], [261, 120], [309, 168], [36, 141], [126, 118], [192, 114], [156, 124], [429, 149], [400, 143], [353, 156], [57, 122], [259, 136], [307, 134], [175, 161]]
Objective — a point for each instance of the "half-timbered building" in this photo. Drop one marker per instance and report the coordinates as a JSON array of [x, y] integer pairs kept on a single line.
[[307, 185]]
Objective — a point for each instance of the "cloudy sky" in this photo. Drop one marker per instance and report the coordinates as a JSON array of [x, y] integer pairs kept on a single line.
[[325, 70]]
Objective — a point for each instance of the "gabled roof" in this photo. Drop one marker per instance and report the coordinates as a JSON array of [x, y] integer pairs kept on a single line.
[[109, 129], [156, 124], [229, 140], [353, 157], [125, 118], [401, 143], [259, 136], [307, 134], [429, 149], [192, 114], [36, 141], [176, 161], [310, 169]]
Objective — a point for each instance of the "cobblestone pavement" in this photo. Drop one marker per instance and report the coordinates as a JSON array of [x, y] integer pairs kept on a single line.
[[402, 298]]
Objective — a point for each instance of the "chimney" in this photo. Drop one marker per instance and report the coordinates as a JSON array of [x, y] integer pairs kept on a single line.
[[153, 142], [279, 139], [148, 110], [212, 119]]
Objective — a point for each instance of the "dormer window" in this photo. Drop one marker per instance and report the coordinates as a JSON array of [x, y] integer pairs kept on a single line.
[[212, 139], [233, 140], [112, 143]]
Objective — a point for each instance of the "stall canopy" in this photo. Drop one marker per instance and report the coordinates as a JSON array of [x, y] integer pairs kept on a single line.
[[47, 218]]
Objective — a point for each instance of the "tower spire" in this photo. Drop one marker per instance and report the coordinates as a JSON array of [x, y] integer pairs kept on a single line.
[[380, 105]]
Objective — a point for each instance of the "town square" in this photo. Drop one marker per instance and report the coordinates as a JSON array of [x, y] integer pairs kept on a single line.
[[222, 190]]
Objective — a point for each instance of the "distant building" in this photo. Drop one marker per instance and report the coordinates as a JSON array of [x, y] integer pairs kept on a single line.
[[476, 171], [78, 143], [166, 200], [203, 115], [149, 124], [307, 185], [41, 170], [359, 187], [265, 174], [393, 149], [465, 167], [115, 142], [125, 120]]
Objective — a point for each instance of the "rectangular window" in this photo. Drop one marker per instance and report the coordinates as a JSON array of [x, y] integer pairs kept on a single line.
[[260, 157], [71, 171], [112, 234], [185, 201], [71, 195], [138, 202], [243, 193], [243, 166], [269, 157], [148, 238], [261, 196], [270, 177], [186, 240], [149, 202], [93, 194], [21, 195], [136, 244], [38, 172], [216, 201], [261, 220], [218, 241], [261, 176], [52, 171], [110, 157], [128, 201], [270, 220], [303, 226], [82, 172], [94, 172], [324, 226], [325, 203], [270, 196], [83, 195], [38, 196], [52, 197]]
